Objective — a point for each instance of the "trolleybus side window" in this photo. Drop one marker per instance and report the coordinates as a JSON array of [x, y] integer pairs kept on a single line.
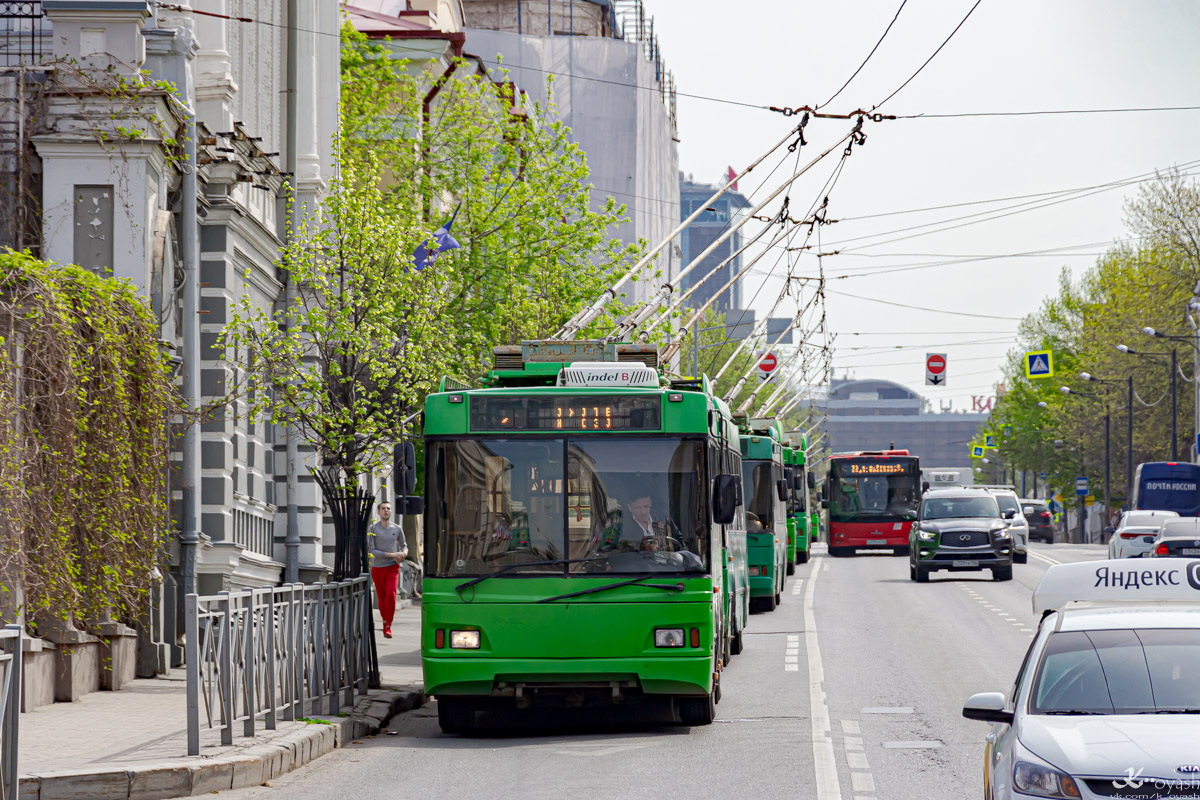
[[495, 503]]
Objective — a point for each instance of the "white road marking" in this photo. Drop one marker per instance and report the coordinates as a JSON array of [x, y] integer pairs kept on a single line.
[[850, 727], [1044, 558], [828, 785], [852, 742], [888, 710], [791, 667], [857, 761], [1026, 630], [862, 781]]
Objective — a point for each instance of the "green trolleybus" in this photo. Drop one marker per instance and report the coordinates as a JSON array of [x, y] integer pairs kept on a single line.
[[576, 535], [799, 514], [766, 494]]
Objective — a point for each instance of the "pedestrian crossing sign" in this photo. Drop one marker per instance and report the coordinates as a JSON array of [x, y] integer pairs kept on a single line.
[[989, 440], [1039, 364], [977, 451]]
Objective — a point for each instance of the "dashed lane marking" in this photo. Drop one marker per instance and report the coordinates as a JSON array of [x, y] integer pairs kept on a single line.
[[850, 727], [862, 781], [888, 710], [918, 745], [857, 760]]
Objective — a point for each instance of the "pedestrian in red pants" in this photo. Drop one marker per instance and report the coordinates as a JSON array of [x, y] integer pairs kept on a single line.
[[388, 548]]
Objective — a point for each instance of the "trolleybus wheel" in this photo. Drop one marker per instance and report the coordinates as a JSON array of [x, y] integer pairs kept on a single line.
[[791, 568], [456, 715], [802, 557], [779, 598], [696, 711], [735, 646]]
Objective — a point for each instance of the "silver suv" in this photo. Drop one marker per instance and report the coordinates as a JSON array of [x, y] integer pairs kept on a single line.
[[1018, 526]]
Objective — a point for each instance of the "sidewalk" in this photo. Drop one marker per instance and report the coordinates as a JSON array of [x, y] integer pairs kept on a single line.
[[145, 725]]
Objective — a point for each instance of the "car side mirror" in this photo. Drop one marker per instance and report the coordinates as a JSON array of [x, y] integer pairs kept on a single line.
[[1110, 530], [1010, 514], [924, 487], [987, 707], [781, 489], [824, 504], [411, 506], [798, 483], [812, 480], [724, 499]]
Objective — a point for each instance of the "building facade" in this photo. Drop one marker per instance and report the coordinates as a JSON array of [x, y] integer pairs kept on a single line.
[[881, 415], [715, 220], [611, 87]]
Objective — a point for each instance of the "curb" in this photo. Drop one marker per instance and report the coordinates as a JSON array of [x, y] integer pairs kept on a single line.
[[253, 766]]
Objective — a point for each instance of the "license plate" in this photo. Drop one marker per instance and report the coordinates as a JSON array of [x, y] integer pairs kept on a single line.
[[964, 563], [1190, 551], [876, 541]]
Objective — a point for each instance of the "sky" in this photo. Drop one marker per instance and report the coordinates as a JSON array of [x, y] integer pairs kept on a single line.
[[1010, 55]]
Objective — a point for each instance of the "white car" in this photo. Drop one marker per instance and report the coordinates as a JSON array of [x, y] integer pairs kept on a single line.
[[1107, 701], [1018, 526], [1134, 536]]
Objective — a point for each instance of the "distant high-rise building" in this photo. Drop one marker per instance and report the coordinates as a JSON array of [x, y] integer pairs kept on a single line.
[[716, 219]]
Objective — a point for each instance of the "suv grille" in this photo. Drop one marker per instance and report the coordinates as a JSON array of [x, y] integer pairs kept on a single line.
[[965, 539]]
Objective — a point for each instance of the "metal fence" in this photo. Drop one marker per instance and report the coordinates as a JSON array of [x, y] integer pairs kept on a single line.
[[274, 653], [10, 709]]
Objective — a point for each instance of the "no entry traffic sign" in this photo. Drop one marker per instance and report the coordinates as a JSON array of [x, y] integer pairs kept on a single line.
[[767, 364], [935, 369]]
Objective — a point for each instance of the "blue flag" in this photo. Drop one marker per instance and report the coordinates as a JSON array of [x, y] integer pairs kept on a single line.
[[423, 256]]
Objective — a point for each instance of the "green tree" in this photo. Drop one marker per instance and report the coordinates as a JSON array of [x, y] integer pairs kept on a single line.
[[370, 333]]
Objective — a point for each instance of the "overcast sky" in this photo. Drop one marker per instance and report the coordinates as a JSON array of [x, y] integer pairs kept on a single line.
[[1011, 55]]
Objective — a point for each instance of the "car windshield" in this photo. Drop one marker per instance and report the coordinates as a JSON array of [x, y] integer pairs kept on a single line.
[[958, 507], [1140, 671], [605, 504], [1007, 502]]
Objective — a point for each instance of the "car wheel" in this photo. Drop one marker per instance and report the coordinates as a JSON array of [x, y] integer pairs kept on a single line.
[[912, 571], [1020, 558], [1002, 573], [922, 574], [900, 551]]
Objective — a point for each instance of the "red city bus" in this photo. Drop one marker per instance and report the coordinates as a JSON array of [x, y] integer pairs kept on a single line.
[[872, 498]]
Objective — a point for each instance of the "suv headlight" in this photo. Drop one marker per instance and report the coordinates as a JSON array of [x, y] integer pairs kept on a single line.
[[1001, 533], [1035, 777], [926, 535]]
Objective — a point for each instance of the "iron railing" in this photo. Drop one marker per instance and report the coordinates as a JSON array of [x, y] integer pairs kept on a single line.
[[274, 653], [10, 709]]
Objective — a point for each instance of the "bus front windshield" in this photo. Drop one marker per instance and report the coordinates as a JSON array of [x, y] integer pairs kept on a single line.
[[758, 489], [873, 490], [602, 504]]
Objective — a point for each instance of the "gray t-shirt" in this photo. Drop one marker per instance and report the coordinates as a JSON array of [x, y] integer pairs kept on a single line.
[[385, 539]]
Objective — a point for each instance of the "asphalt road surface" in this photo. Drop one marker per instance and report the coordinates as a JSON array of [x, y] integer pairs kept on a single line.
[[851, 689]]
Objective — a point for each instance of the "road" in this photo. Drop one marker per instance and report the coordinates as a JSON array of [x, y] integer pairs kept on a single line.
[[865, 704]]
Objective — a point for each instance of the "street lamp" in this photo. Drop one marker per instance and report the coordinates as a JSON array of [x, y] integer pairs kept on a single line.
[[1129, 428], [1107, 445], [1174, 392], [1194, 341]]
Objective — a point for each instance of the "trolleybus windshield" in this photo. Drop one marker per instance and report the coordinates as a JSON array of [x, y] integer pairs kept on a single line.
[[873, 489], [605, 505], [758, 487]]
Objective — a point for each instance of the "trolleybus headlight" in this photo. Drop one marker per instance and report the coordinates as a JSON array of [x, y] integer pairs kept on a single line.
[[464, 640], [668, 637]]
